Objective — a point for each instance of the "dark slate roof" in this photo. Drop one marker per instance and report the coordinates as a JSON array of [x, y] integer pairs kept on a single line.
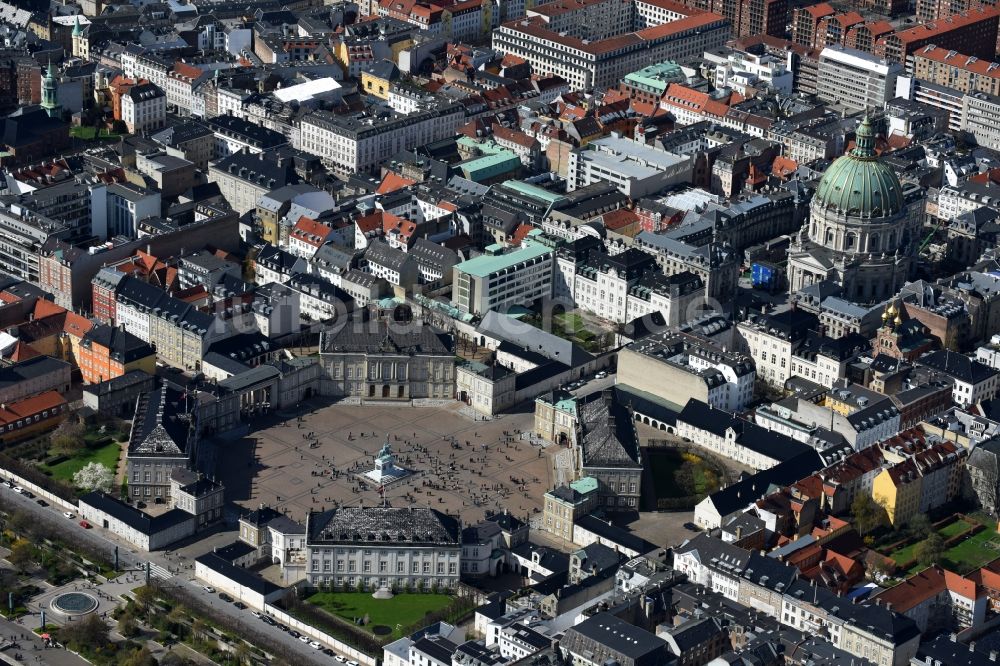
[[609, 435], [161, 425], [617, 635], [384, 526], [377, 337], [436, 647], [740, 494], [235, 550], [944, 650], [432, 254], [238, 575], [617, 535], [123, 346], [693, 633], [133, 517], [750, 435], [383, 254], [956, 365], [30, 369]]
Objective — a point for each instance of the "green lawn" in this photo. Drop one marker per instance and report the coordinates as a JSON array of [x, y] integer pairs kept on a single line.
[[954, 528], [973, 553], [83, 132], [107, 455], [404, 609]]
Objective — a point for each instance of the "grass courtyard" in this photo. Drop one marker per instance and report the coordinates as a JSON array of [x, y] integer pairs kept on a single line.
[[107, 455], [397, 613], [961, 558]]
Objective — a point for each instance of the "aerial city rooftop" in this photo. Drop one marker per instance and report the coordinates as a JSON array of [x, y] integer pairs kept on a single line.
[[500, 333]]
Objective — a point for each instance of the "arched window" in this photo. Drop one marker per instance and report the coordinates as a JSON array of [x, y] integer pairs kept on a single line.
[[829, 236], [852, 240]]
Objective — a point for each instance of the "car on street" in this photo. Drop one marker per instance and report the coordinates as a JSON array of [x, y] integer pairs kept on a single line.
[[601, 375], [19, 490], [69, 514], [41, 502], [208, 588], [267, 620], [304, 639], [692, 527], [293, 633], [353, 663], [282, 627], [225, 597], [256, 614], [240, 605], [315, 645], [85, 525], [328, 652], [340, 659]]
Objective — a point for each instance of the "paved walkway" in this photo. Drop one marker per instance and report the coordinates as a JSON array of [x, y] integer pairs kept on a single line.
[[32, 648]]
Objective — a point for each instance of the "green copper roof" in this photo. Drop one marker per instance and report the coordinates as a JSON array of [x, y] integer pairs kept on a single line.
[[858, 184], [77, 28]]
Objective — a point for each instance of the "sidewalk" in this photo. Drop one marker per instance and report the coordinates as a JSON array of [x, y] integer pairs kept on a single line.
[[32, 648]]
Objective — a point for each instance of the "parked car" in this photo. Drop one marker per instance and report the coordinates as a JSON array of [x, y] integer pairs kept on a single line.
[[328, 652], [340, 659], [85, 525], [69, 514], [315, 645], [240, 605], [293, 633], [692, 527], [225, 597], [256, 614], [601, 375], [304, 639], [29, 494], [19, 490], [208, 588], [353, 663], [41, 502], [268, 620]]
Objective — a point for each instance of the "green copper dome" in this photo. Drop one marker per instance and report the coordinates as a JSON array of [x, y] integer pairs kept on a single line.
[[858, 184]]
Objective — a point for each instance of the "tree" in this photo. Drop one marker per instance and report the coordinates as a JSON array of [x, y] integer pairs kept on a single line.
[[67, 439], [127, 626], [94, 476], [919, 526], [866, 513], [89, 633], [141, 657], [930, 550], [23, 556]]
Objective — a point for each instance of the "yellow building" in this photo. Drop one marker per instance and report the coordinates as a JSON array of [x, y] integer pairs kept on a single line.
[[897, 490], [845, 399], [376, 79]]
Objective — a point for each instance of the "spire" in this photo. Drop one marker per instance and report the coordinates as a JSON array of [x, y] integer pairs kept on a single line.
[[864, 144], [77, 29]]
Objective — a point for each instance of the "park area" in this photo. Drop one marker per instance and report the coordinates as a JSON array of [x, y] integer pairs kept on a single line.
[[382, 617], [681, 479], [947, 546]]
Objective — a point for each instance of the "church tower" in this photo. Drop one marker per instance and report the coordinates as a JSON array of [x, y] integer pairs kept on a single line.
[[50, 93]]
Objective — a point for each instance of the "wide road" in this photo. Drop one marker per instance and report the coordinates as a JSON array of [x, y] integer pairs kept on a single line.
[[103, 541]]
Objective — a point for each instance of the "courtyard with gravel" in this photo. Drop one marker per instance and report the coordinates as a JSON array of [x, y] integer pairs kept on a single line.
[[314, 460]]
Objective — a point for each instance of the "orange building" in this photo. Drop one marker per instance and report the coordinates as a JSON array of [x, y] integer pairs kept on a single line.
[[30, 416], [107, 352], [119, 86]]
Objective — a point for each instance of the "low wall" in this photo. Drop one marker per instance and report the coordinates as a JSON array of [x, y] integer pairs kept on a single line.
[[311, 631], [38, 490]]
